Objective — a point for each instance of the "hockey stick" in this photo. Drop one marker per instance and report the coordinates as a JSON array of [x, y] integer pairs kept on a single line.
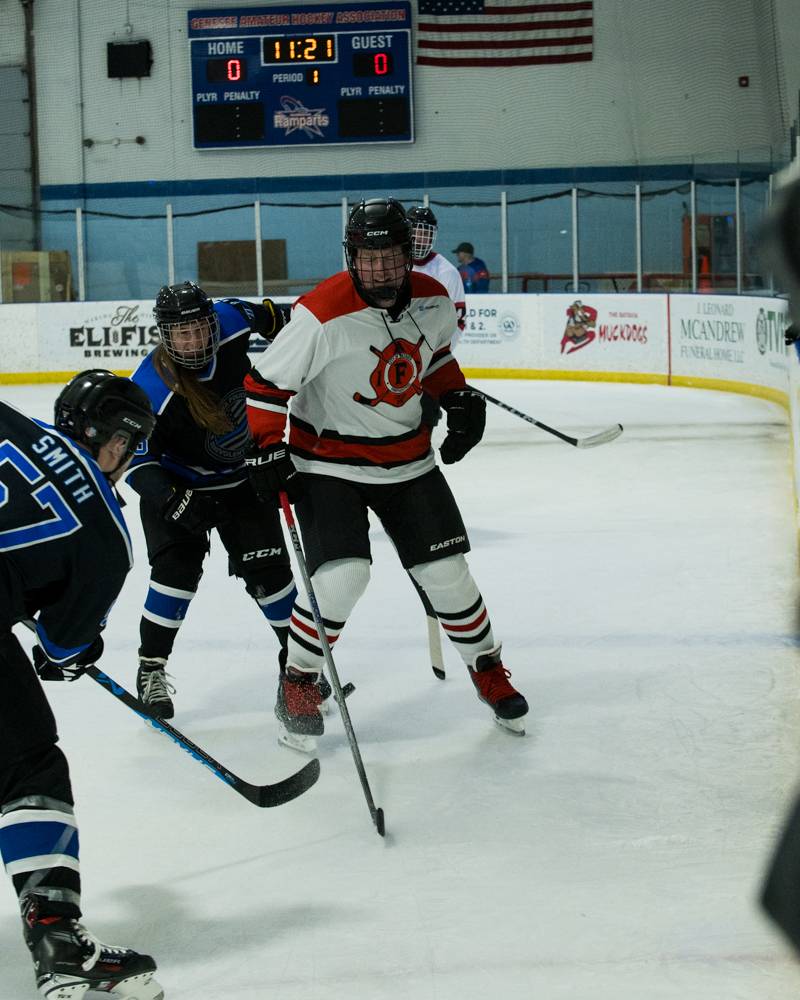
[[375, 812], [592, 441], [434, 634], [260, 795]]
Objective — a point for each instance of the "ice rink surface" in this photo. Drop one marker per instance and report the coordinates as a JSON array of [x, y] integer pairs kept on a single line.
[[645, 592]]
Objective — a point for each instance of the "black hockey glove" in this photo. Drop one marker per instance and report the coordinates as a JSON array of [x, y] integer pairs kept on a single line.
[[49, 671], [466, 419], [276, 318], [791, 334], [271, 470], [193, 510]]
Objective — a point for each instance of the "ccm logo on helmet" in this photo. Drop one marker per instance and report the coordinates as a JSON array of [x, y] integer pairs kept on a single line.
[[261, 554], [377, 232]]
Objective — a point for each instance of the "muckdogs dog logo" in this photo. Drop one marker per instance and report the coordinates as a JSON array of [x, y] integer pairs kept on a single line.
[[396, 377], [295, 116], [580, 329]]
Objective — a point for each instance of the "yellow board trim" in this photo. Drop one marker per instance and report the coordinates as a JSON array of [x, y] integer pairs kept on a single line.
[[35, 378], [541, 374], [565, 376], [724, 385], [685, 381]]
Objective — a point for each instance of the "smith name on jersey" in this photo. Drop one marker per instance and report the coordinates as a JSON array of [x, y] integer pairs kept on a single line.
[[60, 522], [178, 445], [363, 420]]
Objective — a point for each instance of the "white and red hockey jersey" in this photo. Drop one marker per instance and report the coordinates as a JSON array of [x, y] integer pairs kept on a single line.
[[439, 267], [355, 379]]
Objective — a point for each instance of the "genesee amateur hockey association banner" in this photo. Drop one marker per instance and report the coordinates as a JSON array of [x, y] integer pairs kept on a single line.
[[503, 32]]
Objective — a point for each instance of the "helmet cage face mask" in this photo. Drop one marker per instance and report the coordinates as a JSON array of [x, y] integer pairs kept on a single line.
[[379, 225], [201, 331], [188, 324], [423, 232], [423, 236], [96, 406]]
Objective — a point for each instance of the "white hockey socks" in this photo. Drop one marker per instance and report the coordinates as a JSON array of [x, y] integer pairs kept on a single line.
[[337, 585], [458, 605]]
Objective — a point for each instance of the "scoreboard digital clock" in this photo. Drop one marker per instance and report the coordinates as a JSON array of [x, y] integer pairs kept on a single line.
[[301, 76]]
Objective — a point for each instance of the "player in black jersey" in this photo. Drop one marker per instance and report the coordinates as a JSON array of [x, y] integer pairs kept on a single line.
[[64, 554], [192, 477]]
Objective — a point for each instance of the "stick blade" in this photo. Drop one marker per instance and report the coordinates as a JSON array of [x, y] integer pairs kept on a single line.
[[266, 796], [602, 437]]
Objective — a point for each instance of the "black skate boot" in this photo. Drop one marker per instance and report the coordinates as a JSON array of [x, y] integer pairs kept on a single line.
[[298, 709], [68, 960], [153, 687], [490, 678], [325, 691]]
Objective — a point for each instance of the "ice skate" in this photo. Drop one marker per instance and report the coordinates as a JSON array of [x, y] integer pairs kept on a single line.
[[69, 961], [490, 678], [153, 687], [325, 692], [297, 709]]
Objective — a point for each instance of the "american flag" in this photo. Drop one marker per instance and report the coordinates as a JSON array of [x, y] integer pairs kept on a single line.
[[503, 32]]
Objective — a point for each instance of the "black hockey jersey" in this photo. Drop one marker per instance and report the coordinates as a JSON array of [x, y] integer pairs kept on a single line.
[[178, 449], [64, 547]]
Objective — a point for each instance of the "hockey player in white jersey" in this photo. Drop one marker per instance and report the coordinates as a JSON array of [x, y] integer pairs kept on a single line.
[[424, 228], [349, 370]]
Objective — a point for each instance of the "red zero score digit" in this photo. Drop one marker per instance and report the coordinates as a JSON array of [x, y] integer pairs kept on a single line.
[[381, 64], [234, 69]]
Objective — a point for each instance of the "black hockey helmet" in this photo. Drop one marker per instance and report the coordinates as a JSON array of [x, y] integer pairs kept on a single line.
[[185, 311], [377, 224], [423, 231], [96, 405]]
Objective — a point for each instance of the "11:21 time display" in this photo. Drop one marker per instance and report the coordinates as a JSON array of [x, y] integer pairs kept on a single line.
[[278, 50]]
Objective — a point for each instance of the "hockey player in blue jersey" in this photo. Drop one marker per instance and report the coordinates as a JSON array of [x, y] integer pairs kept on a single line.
[[192, 477], [64, 554]]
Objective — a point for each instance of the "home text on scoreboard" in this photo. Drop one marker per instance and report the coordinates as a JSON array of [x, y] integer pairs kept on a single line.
[[301, 76]]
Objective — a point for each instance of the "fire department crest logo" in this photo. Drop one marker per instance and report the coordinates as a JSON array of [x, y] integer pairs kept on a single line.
[[579, 331], [397, 375]]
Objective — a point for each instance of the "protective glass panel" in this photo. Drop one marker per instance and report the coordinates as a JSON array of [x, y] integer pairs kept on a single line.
[[540, 239], [607, 237], [666, 218], [126, 258]]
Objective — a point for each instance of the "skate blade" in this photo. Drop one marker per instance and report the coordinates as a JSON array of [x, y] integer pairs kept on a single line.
[[136, 988], [296, 741], [142, 987], [514, 726]]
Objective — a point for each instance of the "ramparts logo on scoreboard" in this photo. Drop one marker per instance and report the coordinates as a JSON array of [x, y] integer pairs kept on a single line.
[[294, 116]]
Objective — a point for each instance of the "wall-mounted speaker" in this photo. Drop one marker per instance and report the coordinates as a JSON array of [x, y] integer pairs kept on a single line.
[[129, 59]]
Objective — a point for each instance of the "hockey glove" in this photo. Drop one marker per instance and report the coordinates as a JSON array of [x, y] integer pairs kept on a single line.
[[275, 319], [466, 419], [271, 470], [49, 671], [791, 334], [193, 510]]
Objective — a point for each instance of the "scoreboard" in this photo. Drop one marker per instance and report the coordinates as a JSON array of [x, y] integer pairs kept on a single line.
[[301, 75]]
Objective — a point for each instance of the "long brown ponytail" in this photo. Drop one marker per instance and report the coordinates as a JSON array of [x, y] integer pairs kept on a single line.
[[204, 405]]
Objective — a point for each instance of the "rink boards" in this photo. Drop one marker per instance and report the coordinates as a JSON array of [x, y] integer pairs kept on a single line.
[[726, 342]]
